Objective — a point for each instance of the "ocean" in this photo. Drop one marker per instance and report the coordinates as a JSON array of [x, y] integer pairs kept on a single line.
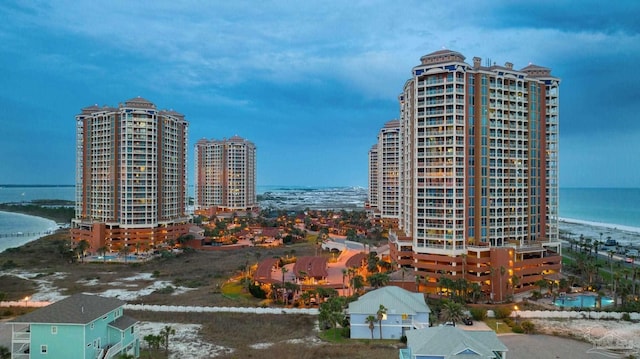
[[609, 207]]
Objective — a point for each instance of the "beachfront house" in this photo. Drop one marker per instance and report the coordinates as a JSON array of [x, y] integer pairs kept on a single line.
[[405, 310], [80, 326], [448, 342]]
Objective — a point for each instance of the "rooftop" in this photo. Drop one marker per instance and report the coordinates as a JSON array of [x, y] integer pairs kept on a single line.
[[76, 309]]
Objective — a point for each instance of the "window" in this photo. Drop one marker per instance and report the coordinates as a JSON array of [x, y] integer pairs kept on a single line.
[[54, 330], [92, 326], [43, 349]]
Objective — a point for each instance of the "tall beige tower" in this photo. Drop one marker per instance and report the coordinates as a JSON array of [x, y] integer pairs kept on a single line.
[[131, 181], [478, 173], [225, 174]]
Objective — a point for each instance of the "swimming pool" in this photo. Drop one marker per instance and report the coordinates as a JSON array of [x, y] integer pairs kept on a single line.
[[110, 257], [582, 301]]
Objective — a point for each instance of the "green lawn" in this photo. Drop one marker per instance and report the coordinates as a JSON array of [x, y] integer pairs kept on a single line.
[[235, 290], [502, 328]]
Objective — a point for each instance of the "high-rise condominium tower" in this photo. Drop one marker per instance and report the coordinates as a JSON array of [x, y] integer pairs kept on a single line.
[[386, 169], [225, 174], [131, 184], [478, 173]]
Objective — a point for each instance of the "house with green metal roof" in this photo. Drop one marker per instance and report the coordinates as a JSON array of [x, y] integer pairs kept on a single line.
[[448, 342], [82, 326], [405, 310]]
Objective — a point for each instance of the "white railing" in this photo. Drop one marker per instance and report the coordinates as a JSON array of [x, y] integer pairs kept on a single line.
[[113, 350], [21, 336]]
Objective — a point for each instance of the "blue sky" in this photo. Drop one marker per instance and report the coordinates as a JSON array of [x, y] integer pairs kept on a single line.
[[309, 82]]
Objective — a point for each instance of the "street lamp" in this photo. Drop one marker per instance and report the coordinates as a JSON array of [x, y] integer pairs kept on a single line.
[[516, 309]]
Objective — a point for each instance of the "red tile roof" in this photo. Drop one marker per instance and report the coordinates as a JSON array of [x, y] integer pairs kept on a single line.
[[315, 267]]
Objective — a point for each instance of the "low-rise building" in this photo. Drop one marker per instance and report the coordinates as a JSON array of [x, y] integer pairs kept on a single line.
[[404, 311], [82, 326], [451, 342]]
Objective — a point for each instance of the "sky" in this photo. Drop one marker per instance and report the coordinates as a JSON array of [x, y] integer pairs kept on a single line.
[[309, 82]]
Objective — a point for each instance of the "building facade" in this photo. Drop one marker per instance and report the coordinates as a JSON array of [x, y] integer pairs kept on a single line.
[[404, 311], [384, 175], [131, 180], [372, 190], [80, 326], [225, 174], [478, 173]]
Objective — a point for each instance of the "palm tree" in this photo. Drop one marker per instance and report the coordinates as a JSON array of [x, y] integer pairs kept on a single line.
[[503, 270], [492, 271], [357, 283], [542, 284], [103, 252], [377, 280], [284, 270], [81, 248], [164, 334], [344, 274], [381, 314], [371, 320], [515, 281], [451, 312], [124, 251]]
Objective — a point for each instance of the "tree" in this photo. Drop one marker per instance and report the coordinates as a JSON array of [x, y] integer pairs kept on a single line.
[[515, 281], [344, 275], [103, 252], [371, 320], [357, 283], [451, 312], [331, 312], [153, 341], [81, 248], [542, 284], [503, 270], [381, 314], [165, 333], [377, 280], [5, 353], [124, 251]]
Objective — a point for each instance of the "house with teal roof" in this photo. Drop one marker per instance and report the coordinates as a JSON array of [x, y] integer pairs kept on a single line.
[[404, 310], [82, 326], [448, 342]]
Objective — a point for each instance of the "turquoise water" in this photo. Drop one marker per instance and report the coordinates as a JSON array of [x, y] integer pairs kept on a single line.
[[582, 301], [604, 205]]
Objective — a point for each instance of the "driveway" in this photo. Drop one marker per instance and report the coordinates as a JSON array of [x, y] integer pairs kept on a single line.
[[524, 346]]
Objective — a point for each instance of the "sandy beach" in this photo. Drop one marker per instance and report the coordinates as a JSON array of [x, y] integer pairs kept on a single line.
[[625, 235]]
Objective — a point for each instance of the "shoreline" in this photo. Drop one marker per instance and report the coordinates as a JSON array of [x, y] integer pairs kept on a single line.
[[613, 226], [624, 235], [48, 227]]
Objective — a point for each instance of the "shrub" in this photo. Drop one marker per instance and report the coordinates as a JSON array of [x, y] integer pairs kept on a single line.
[[403, 339], [345, 332], [508, 321], [502, 312], [166, 290], [257, 291], [528, 327], [626, 317], [517, 329], [478, 314]]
